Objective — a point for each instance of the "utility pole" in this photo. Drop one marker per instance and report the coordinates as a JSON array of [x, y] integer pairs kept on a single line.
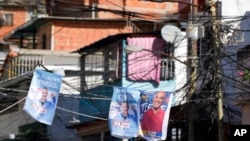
[[216, 43], [192, 53]]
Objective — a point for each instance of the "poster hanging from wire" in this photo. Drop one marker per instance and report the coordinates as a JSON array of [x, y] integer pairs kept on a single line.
[[154, 114], [42, 96], [141, 113], [123, 115]]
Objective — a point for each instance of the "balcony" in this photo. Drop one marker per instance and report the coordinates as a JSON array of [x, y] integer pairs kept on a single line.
[[28, 60]]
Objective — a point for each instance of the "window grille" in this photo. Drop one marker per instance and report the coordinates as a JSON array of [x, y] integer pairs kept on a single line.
[[167, 64], [101, 67], [167, 69]]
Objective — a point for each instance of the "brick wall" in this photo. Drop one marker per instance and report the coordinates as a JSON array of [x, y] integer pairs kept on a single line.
[[72, 35], [19, 18], [46, 30], [154, 9], [157, 9]]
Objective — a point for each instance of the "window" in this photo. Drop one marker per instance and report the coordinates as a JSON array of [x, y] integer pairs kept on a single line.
[[7, 19], [93, 70], [167, 69], [102, 66], [176, 134], [114, 60], [167, 64]]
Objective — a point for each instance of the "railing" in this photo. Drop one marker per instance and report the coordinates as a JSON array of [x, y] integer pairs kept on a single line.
[[28, 59], [23, 64]]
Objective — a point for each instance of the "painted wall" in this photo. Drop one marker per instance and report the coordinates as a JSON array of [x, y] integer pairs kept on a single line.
[[233, 10], [96, 103], [165, 85]]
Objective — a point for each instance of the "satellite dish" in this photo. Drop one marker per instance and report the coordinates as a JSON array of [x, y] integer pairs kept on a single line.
[[171, 33]]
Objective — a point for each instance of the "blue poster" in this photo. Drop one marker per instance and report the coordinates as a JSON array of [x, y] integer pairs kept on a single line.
[[124, 113], [154, 114], [42, 96]]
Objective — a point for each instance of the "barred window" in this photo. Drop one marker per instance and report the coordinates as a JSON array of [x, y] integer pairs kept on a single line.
[[102, 66], [167, 64]]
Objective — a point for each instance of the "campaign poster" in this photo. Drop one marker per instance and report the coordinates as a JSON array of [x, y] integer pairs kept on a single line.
[[124, 113], [154, 114], [42, 96]]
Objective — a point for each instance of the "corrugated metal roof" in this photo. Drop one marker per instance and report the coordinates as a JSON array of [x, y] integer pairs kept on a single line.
[[112, 38]]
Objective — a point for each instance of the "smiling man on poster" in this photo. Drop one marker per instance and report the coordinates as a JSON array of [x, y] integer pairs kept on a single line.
[[155, 114], [42, 104]]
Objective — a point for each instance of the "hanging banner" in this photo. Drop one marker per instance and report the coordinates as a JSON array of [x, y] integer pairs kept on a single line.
[[124, 113], [136, 113], [42, 96], [154, 114]]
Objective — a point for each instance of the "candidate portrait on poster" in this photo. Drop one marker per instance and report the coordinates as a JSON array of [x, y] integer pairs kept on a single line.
[[155, 110], [123, 114], [42, 96], [138, 113]]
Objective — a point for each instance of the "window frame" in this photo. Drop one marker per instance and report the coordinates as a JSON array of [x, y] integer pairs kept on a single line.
[[7, 19], [167, 64]]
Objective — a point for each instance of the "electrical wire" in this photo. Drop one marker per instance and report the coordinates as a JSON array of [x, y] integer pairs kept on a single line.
[[210, 54]]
